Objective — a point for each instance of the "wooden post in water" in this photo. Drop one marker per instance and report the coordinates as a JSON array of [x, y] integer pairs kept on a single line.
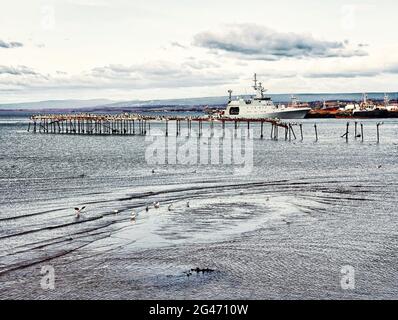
[[355, 129], [293, 133], [301, 131], [362, 132], [316, 132], [262, 127], [378, 132]]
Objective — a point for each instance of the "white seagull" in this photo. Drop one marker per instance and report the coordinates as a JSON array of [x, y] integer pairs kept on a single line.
[[156, 205], [170, 207], [133, 215]]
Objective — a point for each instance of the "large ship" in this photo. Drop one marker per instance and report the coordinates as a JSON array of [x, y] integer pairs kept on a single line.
[[262, 107]]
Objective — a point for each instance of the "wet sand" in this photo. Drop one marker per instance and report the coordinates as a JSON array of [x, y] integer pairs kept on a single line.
[[292, 256]]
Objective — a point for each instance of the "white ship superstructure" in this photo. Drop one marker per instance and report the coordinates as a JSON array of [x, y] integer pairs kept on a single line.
[[261, 107]]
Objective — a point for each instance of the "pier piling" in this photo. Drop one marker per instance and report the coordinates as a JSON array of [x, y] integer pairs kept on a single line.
[[378, 131], [316, 132], [362, 132], [301, 131]]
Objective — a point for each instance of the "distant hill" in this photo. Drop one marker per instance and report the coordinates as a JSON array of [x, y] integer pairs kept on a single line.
[[278, 98], [104, 105], [56, 104]]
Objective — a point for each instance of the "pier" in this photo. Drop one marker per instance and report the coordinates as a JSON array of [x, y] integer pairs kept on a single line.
[[132, 124], [136, 124]]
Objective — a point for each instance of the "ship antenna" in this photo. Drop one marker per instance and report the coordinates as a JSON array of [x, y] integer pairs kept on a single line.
[[386, 99], [255, 81], [230, 95], [365, 98]]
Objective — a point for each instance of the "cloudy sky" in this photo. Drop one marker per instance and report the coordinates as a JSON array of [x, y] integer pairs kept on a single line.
[[130, 49]]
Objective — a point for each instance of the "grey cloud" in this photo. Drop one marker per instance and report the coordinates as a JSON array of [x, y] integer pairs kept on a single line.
[[177, 44], [355, 73], [17, 71], [160, 70], [154, 74], [200, 64], [9, 45], [391, 68], [255, 42]]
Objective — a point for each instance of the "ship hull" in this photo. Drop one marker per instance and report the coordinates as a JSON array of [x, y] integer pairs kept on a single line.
[[286, 114]]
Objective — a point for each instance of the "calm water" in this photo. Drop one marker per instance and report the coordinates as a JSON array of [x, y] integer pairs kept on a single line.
[[284, 229]]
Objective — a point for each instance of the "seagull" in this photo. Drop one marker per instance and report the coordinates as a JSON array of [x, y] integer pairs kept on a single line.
[[379, 166], [156, 205], [78, 211], [147, 208], [153, 170], [115, 211], [286, 221], [170, 207], [187, 204], [133, 215]]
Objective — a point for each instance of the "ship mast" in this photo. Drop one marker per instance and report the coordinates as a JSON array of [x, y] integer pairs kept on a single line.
[[386, 99], [365, 98], [258, 88], [255, 81]]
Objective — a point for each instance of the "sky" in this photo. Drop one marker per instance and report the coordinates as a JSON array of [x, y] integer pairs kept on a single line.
[[129, 49]]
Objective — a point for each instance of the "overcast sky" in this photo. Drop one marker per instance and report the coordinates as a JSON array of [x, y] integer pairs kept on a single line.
[[129, 49]]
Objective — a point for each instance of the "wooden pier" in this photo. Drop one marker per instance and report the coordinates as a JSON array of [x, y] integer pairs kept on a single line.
[[136, 124], [131, 124]]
